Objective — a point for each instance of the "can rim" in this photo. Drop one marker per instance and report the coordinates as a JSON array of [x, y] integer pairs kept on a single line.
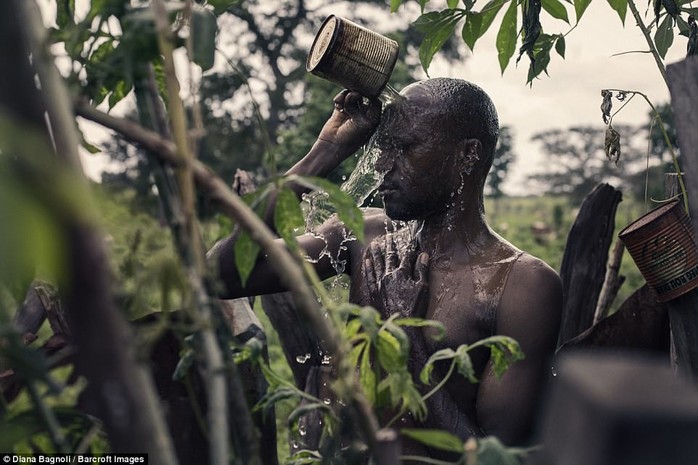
[[311, 63]]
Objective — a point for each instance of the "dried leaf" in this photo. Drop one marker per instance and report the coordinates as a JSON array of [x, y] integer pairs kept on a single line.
[[606, 105], [612, 144]]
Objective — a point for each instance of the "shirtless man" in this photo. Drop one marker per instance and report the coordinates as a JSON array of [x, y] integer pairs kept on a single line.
[[437, 145]]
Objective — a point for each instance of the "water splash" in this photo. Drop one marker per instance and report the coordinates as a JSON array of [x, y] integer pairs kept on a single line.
[[302, 358]]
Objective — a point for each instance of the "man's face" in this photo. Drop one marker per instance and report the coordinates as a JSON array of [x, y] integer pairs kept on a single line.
[[417, 158]]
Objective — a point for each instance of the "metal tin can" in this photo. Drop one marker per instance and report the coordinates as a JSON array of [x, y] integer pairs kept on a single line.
[[662, 245], [352, 56]]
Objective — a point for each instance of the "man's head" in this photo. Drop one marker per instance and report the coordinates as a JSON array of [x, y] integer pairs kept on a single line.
[[435, 142]]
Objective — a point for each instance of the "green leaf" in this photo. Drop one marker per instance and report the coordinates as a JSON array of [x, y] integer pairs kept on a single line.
[[491, 451], [503, 352], [471, 29], [580, 7], [65, 11], [288, 217], [395, 4], [506, 37], [220, 6], [435, 438], [204, 28], [119, 93], [621, 7], [464, 364], [443, 354], [246, 251], [422, 323], [556, 9], [367, 377], [389, 352], [664, 36], [560, 45], [437, 26], [452, 3]]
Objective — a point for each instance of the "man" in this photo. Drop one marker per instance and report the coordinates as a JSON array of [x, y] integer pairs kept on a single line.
[[437, 143]]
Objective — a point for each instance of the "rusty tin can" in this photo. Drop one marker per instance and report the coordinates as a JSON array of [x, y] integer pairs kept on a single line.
[[352, 56], [663, 247]]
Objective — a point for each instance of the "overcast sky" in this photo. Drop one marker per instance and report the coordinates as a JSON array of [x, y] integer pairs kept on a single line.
[[569, 97]]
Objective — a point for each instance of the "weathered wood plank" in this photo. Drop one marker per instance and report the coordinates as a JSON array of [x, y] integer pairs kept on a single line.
[[583, 268], [683, 312]]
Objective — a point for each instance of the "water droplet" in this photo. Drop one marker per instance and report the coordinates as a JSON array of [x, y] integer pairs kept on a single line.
[[301, 430], [326, 359], [553, 371], [326, 401], [344, 177], [302, 358], [294, 445]]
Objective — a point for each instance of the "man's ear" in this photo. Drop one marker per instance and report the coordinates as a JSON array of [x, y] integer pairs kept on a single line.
[[471, 151]]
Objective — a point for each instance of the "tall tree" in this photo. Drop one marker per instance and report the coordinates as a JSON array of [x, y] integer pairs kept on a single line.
[[575, 159]]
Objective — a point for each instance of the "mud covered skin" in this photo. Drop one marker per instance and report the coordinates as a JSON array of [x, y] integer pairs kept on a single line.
[[436, 147]]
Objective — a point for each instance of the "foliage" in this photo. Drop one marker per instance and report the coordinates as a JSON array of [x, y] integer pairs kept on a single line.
[[504, 156], [522, 23]]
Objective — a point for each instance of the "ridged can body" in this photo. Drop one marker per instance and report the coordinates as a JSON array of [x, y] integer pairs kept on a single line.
[[352, 56], [663, 247]]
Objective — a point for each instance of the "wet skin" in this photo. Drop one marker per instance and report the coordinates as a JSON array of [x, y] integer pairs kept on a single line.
[[455, 269]]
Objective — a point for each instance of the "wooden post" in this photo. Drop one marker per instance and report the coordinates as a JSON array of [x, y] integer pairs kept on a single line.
[[683, 312], [583, 268]]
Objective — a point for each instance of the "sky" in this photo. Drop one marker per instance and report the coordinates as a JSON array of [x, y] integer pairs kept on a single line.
[[570, 96]]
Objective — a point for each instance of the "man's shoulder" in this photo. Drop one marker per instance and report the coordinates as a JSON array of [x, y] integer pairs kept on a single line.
[[531, 270]]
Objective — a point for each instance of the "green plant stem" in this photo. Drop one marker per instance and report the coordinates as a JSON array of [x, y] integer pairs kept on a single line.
[[648, 38], [667, 141], [193, 251]]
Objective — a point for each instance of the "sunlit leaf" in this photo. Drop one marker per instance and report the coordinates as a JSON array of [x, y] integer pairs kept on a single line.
[[621, 7], [464, 364], [443, 354], [506, 37], [204, 28], [580, 7], [452, 3], [664, 36], [503, 352], [435, 438]]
